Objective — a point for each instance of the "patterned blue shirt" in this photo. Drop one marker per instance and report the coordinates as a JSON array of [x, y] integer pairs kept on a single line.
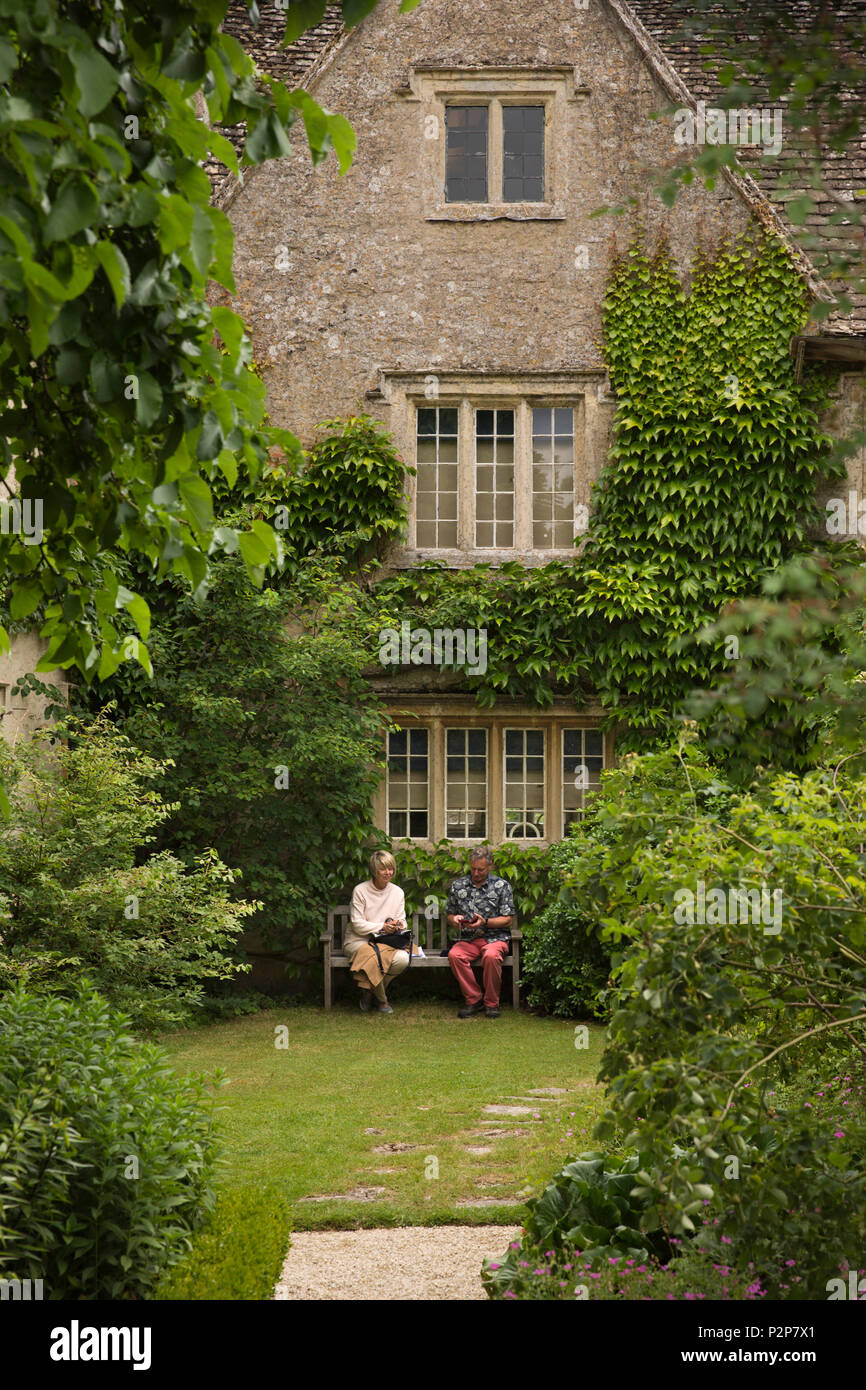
[[492, 898]]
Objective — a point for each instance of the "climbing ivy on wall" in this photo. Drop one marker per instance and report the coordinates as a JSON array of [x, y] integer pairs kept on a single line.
[[710, 484]]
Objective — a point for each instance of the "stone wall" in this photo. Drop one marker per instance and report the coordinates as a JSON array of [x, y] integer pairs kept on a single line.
[[370, 281], [19, 717], [845, 416]]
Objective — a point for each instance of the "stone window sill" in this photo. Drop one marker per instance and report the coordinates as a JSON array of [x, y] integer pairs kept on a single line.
[[495, 212], [408, 557]]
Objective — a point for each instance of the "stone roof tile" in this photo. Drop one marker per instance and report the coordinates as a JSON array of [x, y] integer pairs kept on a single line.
[[263, 43]]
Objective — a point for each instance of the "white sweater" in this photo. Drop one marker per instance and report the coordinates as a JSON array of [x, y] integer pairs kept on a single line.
[[371, 907]]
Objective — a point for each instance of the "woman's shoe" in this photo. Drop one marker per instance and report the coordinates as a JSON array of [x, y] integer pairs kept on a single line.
[[385, 1009]]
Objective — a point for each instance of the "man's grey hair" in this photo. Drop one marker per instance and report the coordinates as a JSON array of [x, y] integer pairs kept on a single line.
[[482, 852]]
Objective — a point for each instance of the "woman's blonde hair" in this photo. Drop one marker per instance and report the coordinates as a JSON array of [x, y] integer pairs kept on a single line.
[[381, 859]]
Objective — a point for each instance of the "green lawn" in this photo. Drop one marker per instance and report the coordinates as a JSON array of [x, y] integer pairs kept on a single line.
[[296, 1117]]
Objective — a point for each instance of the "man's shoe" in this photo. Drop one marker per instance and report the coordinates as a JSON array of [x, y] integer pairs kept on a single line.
[[492, 1013], [385, 1009], [471, 1009], [366, 1001]]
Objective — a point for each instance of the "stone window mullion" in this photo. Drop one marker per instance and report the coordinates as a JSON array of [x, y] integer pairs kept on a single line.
[[496, 785], [582, 480], [554, 821], [494, 155], [437, 780], [523, 476], [466, 477]]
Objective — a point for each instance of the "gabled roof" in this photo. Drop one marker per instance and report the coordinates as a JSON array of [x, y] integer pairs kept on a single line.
[[656, 27], [844, 174], [291, 65]]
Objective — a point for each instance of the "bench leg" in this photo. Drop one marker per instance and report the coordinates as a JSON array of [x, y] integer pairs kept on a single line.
[[515, 975], [329, 980]]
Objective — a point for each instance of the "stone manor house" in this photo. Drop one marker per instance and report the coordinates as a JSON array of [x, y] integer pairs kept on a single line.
[[450, 285]]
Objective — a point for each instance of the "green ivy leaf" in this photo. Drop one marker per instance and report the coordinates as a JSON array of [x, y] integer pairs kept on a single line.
[[116, 268], [96, 79], [73, 209]]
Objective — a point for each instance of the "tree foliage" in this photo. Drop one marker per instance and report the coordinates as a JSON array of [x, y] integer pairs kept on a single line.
[[126, 394], [73, 899], [269, 736], [720, 997]]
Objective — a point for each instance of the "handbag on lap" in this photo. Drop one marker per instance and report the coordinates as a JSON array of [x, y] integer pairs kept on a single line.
[[400, 940]]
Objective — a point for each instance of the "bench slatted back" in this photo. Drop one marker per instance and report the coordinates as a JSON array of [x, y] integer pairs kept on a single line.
[[431, 934]]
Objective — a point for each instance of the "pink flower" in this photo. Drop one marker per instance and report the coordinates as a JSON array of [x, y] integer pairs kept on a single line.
[[495, 1266]]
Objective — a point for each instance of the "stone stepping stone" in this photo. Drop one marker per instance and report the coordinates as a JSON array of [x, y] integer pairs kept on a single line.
[[549, 1091], [478, 1149], [357, 1194], [507, 1110], [394, 1148], [502, 1133], [374, 1131], [503, 1201]]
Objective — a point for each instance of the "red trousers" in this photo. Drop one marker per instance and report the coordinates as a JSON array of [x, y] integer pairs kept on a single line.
[[492, 955]]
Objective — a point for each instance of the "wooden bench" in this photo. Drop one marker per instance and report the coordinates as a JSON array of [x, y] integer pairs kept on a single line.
[[430, 933]]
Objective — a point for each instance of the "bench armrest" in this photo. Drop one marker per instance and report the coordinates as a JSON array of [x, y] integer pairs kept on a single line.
[[516, 934]]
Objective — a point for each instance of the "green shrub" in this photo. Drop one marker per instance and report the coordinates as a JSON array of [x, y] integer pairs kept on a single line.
[[589, 1206], [73, 900], [238, 1253], [699, 1273], [565, 967], [106, 1155]]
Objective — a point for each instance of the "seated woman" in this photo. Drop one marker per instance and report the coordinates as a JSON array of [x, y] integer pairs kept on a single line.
[[377, 906]]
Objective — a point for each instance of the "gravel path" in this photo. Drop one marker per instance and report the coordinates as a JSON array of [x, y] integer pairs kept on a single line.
[[402, 1262]]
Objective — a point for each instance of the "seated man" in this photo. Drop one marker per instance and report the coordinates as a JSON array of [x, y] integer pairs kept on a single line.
[[481, 906]]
